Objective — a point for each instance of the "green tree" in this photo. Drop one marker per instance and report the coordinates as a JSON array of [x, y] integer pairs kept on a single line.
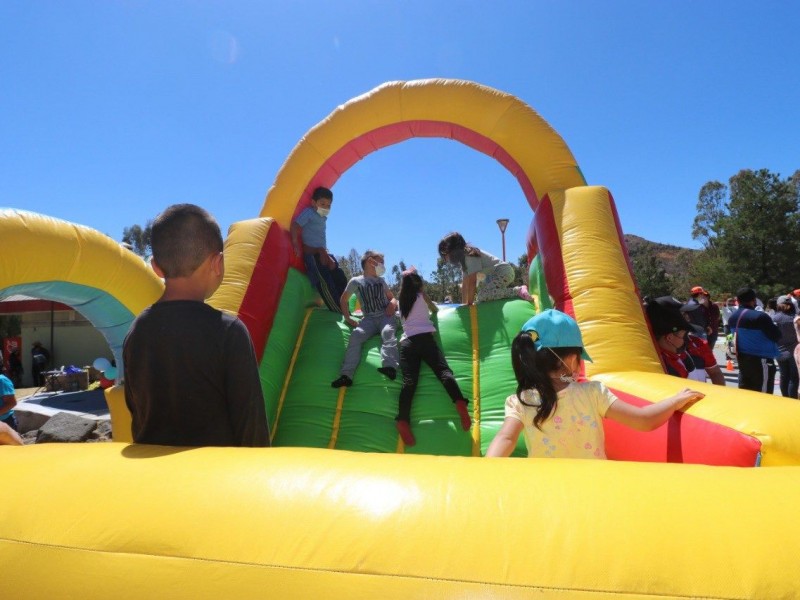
[[711, 213], [446, 281], [521, 271], [351, 264], [397, 274], [650, 275], [139, 238], [750, 231]]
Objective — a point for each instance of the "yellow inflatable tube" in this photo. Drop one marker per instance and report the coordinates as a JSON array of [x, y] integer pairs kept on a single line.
[[133, 522]]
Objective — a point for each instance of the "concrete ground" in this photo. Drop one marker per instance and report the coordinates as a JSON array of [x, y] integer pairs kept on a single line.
[[46, 404]]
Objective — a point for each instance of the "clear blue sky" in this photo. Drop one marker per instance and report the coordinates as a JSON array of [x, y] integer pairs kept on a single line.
[[112, 110]]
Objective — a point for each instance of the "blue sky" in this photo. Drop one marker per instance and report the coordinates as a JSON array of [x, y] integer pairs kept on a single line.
[[110, 111]]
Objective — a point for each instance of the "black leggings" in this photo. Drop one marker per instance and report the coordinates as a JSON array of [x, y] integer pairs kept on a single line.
[[413, 350]]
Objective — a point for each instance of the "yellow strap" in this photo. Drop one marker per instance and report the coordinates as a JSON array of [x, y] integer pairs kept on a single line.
[[289, 371], [337, 418], [476, 381]]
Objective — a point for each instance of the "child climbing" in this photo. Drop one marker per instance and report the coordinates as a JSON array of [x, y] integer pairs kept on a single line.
[[419, 344], [474, 262], [378, 305]]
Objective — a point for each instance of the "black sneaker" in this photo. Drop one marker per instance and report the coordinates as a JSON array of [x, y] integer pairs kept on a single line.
[[344, 380], [390, 372]]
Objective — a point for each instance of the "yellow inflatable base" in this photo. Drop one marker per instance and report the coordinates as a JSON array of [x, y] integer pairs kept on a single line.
[[126, 521]]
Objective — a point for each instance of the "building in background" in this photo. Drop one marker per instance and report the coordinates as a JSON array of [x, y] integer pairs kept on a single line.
[[70, 338]]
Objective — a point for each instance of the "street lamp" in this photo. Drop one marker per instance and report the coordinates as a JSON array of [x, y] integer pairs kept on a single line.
[[502, 224]]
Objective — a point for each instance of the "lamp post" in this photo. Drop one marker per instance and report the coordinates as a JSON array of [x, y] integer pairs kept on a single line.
[[502, 224]]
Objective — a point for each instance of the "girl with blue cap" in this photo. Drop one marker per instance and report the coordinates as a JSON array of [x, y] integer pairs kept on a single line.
[[559, 416]]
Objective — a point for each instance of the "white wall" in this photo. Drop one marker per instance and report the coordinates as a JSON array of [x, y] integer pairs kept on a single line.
[[75, 341]]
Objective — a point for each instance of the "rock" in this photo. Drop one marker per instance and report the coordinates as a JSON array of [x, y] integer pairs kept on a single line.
[[66, 427], [29, 437], [101, 433], [29, 420]]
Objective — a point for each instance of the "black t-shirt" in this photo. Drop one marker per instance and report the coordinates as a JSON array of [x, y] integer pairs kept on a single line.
[[191, 378]]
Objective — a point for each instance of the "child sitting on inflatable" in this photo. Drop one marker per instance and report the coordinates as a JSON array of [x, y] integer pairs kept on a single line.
[[559, 416], [322, 269], [419, 344], [474, 262]]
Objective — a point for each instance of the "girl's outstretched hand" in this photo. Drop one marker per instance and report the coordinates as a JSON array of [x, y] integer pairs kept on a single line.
[[687, 396]]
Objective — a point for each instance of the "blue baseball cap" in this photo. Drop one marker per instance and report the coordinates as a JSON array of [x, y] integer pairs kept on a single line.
[[554, 329]]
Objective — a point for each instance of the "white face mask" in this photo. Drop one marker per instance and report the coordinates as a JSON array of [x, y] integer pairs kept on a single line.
[[702, 301], [572, 377], [323, 212], [380, 270]]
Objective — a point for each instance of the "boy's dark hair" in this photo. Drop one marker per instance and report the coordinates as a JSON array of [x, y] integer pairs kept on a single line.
[[369, 254], [532, 369], [183, 236], [410, 286], [322, 192]]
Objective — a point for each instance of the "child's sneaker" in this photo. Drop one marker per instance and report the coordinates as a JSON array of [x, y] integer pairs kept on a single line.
[[522, 292], [404, 429], [390, 372], [466, 421], [344, 380]]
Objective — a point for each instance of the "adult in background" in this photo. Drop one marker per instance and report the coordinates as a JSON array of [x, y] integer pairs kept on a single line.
[[697, 309], [795, 296], [15, 369], [727, 311], [40, 359], [784, 319], [714, 318], [756, 343]]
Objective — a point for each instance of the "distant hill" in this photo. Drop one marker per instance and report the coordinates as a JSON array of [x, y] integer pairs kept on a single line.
[[667, 254]]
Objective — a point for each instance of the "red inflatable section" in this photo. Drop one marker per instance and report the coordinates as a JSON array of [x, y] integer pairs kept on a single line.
[[683, 439], [260, 302], [363, 145]]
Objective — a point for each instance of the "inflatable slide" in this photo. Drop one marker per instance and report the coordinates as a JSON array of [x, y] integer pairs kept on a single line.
[[702, 507]]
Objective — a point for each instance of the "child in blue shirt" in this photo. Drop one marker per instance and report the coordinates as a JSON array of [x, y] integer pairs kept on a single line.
[[378, 306], [322, 269], [8, 401]]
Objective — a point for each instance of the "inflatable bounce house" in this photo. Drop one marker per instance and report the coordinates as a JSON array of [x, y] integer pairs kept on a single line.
[[705, 506]]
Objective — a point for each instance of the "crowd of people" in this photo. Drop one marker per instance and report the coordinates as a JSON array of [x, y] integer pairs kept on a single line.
[[762, 337]]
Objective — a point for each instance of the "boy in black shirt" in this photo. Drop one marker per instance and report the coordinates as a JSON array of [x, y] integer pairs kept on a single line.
[[191, 377]]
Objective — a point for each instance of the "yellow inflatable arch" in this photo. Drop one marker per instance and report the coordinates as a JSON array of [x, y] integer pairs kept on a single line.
[[302, 523], [53, 260]]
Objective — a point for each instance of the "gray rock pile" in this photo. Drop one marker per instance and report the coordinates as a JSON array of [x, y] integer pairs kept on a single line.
[[63, 427]]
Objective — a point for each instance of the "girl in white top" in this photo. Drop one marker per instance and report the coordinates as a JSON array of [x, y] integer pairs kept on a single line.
[[559, 416], [474, 262], [419, 344]]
